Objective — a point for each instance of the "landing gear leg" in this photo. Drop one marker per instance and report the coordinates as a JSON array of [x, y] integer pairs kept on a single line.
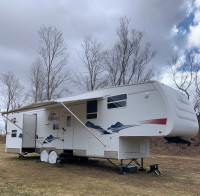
[[142, 165], [121, 164], [121, 167]]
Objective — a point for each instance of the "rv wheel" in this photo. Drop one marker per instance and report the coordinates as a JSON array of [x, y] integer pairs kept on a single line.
[[44, 156], [53, 157]]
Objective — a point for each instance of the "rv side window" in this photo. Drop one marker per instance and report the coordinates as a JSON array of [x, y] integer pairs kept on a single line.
[[92, 109], [68, 121], [117, 101], [55, 126], [14, 133]]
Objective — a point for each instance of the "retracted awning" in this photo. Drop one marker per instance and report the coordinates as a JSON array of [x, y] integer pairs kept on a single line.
[[67, 100], [31, 106]]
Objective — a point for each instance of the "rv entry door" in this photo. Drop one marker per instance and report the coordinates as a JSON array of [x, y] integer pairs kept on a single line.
[[29, 131], [69, 133]]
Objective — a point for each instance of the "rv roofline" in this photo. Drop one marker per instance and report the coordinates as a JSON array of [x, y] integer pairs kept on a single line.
[[69, 99], [100, 89], [108, 87]]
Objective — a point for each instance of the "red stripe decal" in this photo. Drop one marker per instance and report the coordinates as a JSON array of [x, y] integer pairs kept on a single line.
[[161, 121]]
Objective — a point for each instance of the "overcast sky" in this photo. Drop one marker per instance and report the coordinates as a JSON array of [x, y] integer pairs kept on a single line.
[[21, 19], [170, 26]]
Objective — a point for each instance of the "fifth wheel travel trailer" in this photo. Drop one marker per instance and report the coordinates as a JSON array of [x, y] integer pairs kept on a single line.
[[111, 123]]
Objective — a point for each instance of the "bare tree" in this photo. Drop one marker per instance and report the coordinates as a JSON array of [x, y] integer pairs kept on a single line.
[[182, 75], [185, 76], [11, 91], [197, 90], [127, 61], [92, 57], [52, 51], [36, 76]]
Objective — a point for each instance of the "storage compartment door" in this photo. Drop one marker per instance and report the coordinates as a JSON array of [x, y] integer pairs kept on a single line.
[[133, 147]]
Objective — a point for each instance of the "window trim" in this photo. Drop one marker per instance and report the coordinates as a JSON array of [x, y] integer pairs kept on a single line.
[[93, 114], [55, 125], [114, 97], [14, 133], [69, 121], [124, 101]]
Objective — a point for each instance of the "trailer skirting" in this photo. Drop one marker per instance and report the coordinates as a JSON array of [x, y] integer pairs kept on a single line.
[[13, 150]]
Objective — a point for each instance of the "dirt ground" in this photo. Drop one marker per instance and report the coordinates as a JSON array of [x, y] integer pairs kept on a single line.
[[29, 176]]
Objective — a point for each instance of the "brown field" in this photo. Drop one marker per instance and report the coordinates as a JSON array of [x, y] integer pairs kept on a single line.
[[28, 176]]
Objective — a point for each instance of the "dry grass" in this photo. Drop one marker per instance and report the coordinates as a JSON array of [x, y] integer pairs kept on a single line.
[[28, 176]]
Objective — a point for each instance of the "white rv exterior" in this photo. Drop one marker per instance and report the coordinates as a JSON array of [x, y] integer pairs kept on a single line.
[[114, 122]]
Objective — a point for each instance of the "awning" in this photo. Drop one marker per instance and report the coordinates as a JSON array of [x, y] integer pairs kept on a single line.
[[63, 102], [67, 100], [32, 106]]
